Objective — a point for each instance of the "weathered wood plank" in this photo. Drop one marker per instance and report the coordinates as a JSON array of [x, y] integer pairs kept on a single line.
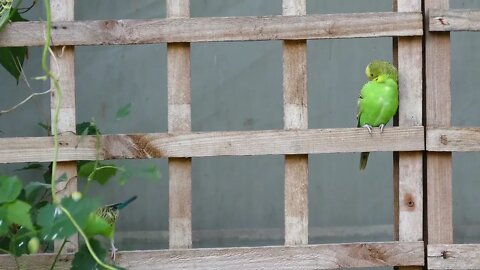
[[257, 234], [208, 144], [410, 168], [454, 20], [62, 64], [295, 116], [323, 26], [328, 256], [395, 155], [179, 121], [454, 139], [438, 114], [453, 256]]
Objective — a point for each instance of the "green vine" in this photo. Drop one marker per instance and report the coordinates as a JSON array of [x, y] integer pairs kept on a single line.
[[31, 228], [58, 100]]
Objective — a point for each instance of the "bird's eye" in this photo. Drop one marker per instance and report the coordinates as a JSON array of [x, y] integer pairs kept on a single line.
[[371, 74]]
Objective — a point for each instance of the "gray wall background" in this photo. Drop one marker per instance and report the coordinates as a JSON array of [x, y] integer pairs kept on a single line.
[[238, 201]]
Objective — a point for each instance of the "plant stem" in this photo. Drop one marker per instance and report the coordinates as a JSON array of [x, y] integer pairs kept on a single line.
[[84, 236], [56, 92], [58, 254], [58, 98], [24, 101]]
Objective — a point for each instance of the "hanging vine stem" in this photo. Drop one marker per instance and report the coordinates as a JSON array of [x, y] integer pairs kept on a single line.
[[58, 254], [58, 98]]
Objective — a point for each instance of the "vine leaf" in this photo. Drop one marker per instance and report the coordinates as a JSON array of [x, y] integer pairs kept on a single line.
[[5, 16], [3, 222], [100, 173], [10, 188], [32, 190], [87, 128], [19, 242], [152, 173], [84, 261], [124, 111], [56, 225], [18, 212], [12, 58]]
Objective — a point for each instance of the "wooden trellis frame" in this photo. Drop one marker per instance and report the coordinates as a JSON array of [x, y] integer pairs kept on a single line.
[[295, 142], [442, 139]]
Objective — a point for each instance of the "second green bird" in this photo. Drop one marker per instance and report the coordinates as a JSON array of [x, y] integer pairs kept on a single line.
[[378, 100], [102, 222]]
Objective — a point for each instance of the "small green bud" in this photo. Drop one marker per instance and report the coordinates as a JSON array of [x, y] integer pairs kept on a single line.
[[33, 245], [76, 196]]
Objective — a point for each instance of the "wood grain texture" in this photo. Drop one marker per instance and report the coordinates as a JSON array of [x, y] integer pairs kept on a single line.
[[395, 155], [179, 121], [410, 168], [454, 139], [296, 199], [295, 116], [259, 234], [328, 256], [175, 29], [208, 144], [453, 256], [454, 20], [438, 114], [62, 64]]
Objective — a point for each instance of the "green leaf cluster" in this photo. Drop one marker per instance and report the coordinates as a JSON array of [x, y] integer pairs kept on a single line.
[[84, 261], [16, 223], [29, 223], [56, 225], [12, 58]]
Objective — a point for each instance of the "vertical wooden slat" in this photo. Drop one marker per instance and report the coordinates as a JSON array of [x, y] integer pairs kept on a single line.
[[396, 211], [408, 172], [63, 66], [410, 193], [179, 121], [295, 117], [438, 103]]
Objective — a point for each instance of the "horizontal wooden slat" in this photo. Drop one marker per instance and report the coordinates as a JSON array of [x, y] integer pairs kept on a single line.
[[454, 20], [215, 29], [453, 139], [257, 234], [208, 144], [453, 256], [328, 256]]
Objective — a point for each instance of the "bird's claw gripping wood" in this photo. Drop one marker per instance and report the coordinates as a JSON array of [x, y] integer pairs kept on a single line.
[[382, 126], [369, 128], [113, 250]]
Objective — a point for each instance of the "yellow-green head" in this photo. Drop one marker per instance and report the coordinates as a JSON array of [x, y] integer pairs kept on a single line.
[[380, 78], [377, 67]]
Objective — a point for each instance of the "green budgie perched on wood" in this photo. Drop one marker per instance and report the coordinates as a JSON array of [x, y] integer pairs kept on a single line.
[[377, 67], [102, 222], [378, 100]]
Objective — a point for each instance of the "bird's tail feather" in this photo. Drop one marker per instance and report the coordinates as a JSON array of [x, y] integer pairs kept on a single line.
[[363, 160], [127, 202]]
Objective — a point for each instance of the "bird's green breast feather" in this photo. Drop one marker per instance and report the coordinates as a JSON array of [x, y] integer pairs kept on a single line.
[[378, 102]]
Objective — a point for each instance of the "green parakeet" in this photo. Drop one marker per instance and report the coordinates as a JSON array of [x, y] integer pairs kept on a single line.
[[102, 222], [378, 100], [377, 67]]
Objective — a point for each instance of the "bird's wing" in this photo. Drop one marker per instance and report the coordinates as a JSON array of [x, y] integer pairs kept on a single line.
[[359, 109]]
